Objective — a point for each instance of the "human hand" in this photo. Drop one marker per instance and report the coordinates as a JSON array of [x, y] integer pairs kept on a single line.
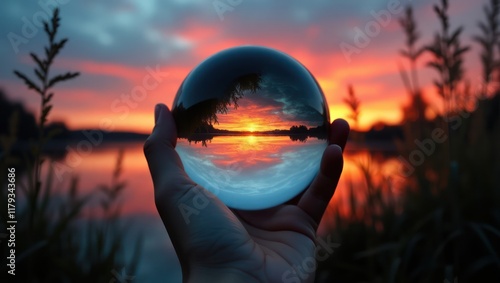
[[220, 244]]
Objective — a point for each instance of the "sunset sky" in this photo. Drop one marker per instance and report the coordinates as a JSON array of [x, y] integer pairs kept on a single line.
[[255, 117], [276, 105], [123, 47]]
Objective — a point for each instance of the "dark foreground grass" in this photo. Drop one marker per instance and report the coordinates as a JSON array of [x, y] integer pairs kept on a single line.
[[440, 222], [56, 238]]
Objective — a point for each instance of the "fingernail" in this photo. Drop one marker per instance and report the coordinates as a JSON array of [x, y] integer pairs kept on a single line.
[[336, 145]]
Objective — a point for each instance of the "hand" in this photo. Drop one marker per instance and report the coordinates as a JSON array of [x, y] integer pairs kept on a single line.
[[217, 244]]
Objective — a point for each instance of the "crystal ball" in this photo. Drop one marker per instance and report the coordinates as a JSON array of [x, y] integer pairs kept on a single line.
[[252, 125]]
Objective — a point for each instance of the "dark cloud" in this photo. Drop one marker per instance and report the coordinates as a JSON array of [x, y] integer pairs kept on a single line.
[[284, 100], [144, 32]]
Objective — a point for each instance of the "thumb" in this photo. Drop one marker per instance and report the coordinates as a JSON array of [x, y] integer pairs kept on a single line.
[[165, 165], [188, 210]]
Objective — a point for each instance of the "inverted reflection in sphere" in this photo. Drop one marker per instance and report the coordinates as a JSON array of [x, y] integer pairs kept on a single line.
[[252, 124]]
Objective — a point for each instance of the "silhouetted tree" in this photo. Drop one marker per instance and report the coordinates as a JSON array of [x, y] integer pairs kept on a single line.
[[205, 112], [298, 129], [299, 137], [26, 128]]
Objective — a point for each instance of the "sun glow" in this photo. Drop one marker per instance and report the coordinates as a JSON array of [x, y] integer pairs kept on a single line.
[[252, 140], [251, 128]]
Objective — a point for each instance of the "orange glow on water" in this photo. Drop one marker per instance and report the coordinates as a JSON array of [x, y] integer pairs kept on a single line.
[[96, 169], [246, 152]]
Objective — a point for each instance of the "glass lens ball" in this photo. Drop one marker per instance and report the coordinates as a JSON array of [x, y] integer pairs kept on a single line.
[[252, 125]]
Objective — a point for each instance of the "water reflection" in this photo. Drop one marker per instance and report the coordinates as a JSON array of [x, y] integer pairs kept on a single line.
[[97, 167], [263, 169], [138, 202]]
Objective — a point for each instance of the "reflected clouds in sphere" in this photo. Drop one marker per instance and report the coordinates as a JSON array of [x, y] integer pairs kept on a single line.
[[252, 125]]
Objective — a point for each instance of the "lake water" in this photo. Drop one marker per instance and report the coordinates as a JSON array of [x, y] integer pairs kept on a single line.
[[158, 262]]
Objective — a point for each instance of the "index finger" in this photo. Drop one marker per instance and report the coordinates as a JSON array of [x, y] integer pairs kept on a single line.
[[316, 198]]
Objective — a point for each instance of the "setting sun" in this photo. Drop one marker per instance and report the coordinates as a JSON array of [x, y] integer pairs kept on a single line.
[[251, 128]]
